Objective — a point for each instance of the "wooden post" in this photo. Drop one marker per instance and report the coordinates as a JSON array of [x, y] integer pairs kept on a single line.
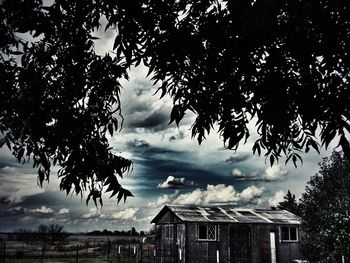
[[141, 252], [77, 255], [43, 252], [118, 254], [4, 252], [94, 247]]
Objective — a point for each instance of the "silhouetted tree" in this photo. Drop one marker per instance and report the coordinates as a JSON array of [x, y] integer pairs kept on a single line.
[[284, 63], [289, 203], [51, 232], [134, 232], [325, 211]]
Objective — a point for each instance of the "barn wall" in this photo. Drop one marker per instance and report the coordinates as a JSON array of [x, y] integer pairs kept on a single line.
[[206, 251], [287, 251], [231, 240], [167, 249], [251, 243]]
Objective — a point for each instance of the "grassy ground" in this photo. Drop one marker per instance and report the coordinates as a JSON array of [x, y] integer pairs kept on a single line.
[[70, 260], [56, 260]]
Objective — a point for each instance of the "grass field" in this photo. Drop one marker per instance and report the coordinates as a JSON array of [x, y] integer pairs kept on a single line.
[[91, 250], [70, 260]]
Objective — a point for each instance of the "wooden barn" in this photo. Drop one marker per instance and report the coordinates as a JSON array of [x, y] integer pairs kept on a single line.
[[194, 234]]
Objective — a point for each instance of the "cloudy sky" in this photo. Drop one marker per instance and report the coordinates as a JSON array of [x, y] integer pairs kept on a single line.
[[169, 168]]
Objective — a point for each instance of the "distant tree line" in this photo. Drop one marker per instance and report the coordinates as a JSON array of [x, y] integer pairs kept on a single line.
[[51, 232], [131, 232], [55, 232]]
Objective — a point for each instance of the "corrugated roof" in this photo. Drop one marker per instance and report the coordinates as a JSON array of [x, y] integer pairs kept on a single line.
[[230, 215]]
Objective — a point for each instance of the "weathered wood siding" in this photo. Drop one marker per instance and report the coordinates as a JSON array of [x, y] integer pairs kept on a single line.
[[287, 251], [167, 248], [235, 242], [206, 251]]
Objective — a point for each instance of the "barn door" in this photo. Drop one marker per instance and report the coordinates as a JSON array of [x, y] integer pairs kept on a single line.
[[240, 243], [264, 244]]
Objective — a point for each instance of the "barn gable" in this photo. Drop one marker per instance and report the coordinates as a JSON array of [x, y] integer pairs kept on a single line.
[[166, 215]]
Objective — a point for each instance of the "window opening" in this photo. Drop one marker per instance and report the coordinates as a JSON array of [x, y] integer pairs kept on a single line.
[[169, 229], [289, 233], [207, 232]]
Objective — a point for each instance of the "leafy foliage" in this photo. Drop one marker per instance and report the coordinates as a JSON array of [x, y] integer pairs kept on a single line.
[[285, 63], [282, 63], [290, 204], [325, 211], [59, 99]]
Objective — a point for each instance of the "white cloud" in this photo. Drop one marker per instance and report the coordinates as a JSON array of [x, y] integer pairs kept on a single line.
[[220, 194], [43, 210], [64, 211], [236, 173], [275, 200], [162, 200], [275, 173], [173, 182], [126, 214], [252, 192], [93, 212]]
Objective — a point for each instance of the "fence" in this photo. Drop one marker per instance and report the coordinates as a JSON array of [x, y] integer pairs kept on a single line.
[[89, 251]]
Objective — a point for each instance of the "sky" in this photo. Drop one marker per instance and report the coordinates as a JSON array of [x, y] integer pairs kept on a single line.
[[169, 168]]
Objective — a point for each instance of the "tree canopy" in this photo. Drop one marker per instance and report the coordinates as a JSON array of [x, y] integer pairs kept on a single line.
[[325, 211], [284, 63], [289, 203]]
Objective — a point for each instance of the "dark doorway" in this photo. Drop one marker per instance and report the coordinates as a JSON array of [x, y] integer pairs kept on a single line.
[[240, 243]]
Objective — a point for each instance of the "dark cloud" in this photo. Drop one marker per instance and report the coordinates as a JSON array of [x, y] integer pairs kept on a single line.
[[4, 200], [179, 136], [142, 91], [16, 211], [137, 144], [238, 158], [154, 162], [156, 121]]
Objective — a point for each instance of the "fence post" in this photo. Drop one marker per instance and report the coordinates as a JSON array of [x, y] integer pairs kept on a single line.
[[141, 252], [109, 249], [43, 252], [77, 255], [4, 252]]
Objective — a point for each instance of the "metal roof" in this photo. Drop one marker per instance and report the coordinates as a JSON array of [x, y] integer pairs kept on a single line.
[[230, 215]]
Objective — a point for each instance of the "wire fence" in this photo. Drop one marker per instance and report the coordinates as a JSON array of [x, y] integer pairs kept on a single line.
[[89, 251]]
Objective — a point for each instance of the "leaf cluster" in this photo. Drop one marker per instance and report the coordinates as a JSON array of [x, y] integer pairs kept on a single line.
[[283, 63], [290, 204], [59, 99]]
